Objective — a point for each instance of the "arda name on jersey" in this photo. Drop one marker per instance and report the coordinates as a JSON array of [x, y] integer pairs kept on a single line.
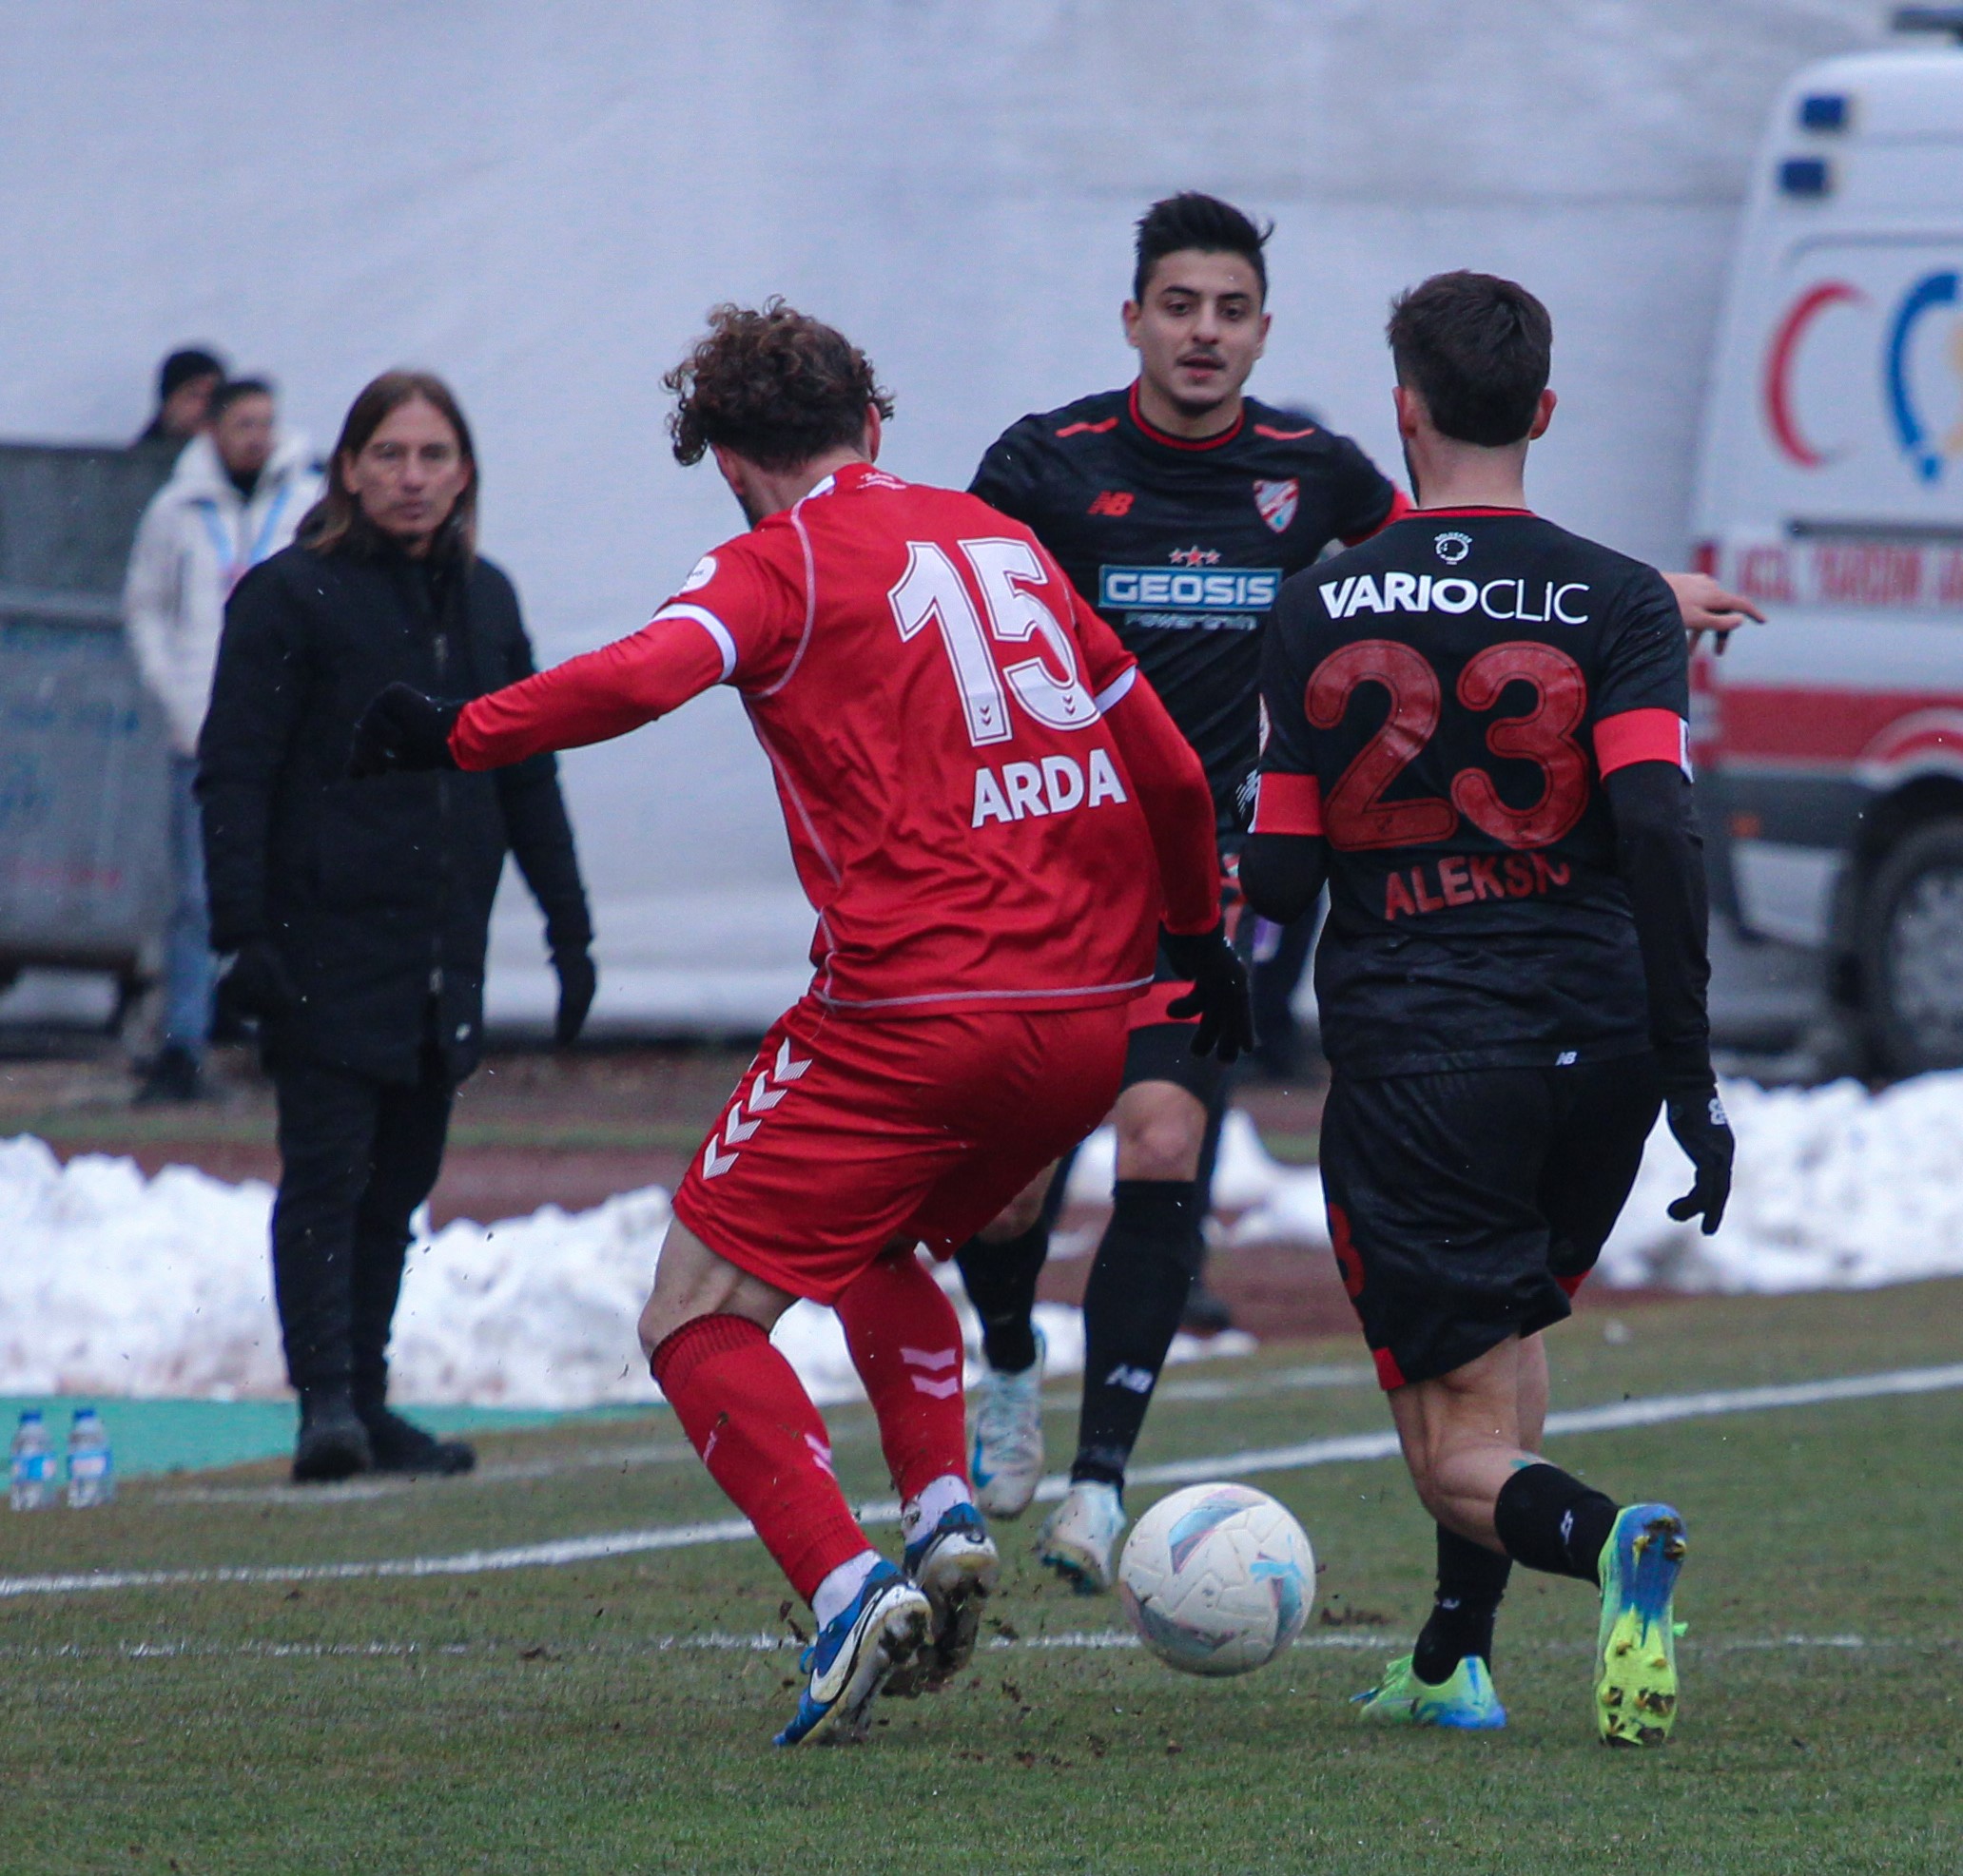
[[1056, 786]]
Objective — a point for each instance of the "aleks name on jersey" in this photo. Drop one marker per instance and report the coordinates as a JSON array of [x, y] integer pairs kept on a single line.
[[1218, 599], [1054, 785], [1424, 592]]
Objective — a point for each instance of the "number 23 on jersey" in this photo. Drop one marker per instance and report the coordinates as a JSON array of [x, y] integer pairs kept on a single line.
[[1357, 817]]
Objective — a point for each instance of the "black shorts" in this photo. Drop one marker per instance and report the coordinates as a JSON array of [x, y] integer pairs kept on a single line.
[[1162, 1050], [1466, 1207]]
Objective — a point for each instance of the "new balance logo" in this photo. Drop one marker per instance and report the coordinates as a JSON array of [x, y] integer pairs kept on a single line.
[[936, 1385], [772, 1084], [1134, 1380], [1114, 502]]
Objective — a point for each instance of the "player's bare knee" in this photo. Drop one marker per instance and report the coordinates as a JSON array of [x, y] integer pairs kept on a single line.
[[692, 1281], [1012, 1220], [1161, 1131], [1021, 1212]]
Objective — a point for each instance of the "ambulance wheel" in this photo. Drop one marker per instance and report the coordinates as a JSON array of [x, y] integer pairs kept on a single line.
[[1912, 951]]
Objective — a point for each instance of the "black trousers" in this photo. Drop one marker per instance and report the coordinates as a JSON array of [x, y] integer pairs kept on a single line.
[[356, 1157]]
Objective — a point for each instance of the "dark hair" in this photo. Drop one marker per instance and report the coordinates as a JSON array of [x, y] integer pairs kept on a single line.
[[1477, 349], [772, 384], [232, 390], [336, 523], [181, 367], [1190, 219]]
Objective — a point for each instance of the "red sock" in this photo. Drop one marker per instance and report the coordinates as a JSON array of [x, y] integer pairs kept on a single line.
[[747, 1415], [906, 1345]]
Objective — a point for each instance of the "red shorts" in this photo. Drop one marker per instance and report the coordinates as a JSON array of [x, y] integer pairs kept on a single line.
[[847, 1133]]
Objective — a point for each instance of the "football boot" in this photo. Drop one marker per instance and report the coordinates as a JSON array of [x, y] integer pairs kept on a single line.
[[1077, 1538], [956, 1565], [881, 1629], [1465, 1701], [1007, 1462], [1636, 1645]]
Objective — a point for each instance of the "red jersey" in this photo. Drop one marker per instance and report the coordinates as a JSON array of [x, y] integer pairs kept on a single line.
[[988, 807]]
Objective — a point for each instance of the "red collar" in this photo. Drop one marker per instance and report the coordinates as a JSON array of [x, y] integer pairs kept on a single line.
[[1157, 436], [849, 477], [1475, 507]]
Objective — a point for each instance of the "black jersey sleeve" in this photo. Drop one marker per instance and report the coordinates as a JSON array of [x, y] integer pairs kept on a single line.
[[1645, 664], [1364, 496], [1006, 479], [1284, 863], [1289, 796], [1659, 855]]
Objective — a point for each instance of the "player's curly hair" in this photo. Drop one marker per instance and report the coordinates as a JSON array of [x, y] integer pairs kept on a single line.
[[774, 385]]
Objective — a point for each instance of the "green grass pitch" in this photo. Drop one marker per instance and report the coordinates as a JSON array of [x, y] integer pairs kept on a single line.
[[615, 1715]]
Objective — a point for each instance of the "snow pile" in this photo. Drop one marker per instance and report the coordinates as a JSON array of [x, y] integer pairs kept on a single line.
[[120, 1285], [1836, 1188], [117, 1285]]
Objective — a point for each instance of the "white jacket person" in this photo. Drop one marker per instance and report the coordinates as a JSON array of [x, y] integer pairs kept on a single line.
[[199, 537]]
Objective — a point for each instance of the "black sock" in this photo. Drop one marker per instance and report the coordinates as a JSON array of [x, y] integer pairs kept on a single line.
[[1000, 1280], [1550, 1521], [1131, 1309], [1471, 1580]]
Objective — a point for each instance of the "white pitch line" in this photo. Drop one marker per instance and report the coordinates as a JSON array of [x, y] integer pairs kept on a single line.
[[1657, 1411], [723, 1641], [1349, 1448], [675, 1452]]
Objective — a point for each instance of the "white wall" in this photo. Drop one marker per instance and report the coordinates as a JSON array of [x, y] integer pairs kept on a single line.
[[540, 201]]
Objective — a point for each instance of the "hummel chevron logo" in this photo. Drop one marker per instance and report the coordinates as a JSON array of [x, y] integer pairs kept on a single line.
[[939, 1388], [745, 1117], [762, 1097]]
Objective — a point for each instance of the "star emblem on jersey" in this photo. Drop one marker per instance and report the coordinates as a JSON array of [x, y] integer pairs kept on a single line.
[[773, 1082], [1277, 502], [1452, 546], [1194, 556]]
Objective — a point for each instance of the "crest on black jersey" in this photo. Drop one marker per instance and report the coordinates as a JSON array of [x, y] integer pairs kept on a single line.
[[1277, 502]]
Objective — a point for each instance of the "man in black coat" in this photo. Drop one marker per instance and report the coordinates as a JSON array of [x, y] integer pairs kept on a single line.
[[357, 912]]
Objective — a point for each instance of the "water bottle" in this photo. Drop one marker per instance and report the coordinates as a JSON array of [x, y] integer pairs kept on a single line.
[[92, 1473], [31, 1481]]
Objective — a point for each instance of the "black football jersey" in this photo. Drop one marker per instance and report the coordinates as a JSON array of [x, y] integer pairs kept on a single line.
[[1182, 547], [1441, 704]]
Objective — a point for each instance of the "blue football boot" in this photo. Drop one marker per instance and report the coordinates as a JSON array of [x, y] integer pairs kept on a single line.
[[884, 1627]]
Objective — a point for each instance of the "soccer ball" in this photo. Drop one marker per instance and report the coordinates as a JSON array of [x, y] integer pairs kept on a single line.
[[1217, 1579]]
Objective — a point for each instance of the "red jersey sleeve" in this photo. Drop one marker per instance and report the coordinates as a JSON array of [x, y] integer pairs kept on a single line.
[[1170, 784], [1108, 667], [737, 619]]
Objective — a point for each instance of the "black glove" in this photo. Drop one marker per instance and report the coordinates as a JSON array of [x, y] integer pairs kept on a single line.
[[1219, 992], [257, 983], [402, 728], [578, 982], [1696, 1119]]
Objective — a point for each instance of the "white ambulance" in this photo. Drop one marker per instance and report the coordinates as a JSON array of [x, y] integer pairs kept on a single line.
[[1829, 488]]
